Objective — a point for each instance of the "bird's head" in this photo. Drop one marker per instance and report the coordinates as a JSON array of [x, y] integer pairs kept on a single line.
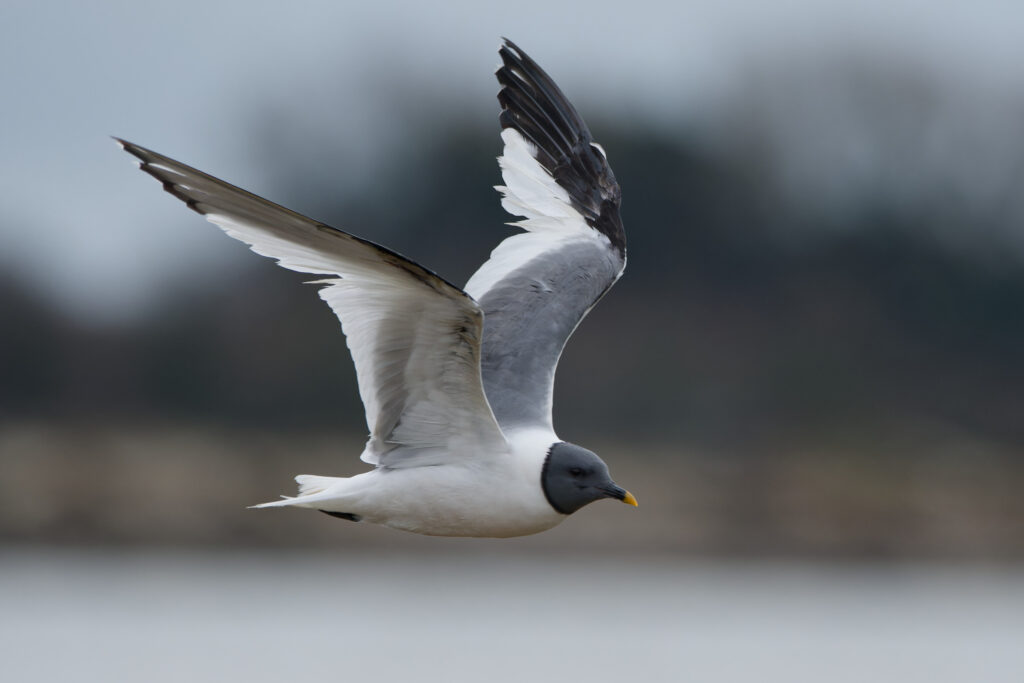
[[573, 476]]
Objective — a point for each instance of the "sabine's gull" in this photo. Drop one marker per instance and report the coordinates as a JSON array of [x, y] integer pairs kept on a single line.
[[457, 383]]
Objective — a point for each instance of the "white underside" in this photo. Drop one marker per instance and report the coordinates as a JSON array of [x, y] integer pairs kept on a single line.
[[498, 496]]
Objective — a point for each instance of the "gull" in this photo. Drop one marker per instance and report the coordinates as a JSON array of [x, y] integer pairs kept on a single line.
[[457, 383]]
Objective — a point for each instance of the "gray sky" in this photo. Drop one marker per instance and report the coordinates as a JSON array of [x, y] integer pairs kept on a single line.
[[183, 77]]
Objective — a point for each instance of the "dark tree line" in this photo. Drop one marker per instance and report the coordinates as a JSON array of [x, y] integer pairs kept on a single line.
[[722, 329]]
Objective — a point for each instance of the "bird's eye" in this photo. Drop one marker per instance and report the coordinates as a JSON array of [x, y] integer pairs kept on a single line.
[[576, 471]]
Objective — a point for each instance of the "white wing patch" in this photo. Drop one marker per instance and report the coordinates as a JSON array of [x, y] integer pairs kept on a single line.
[[298, 257], [530, 190], [414, 338], [416, 361], [415, 352], [550, 219]]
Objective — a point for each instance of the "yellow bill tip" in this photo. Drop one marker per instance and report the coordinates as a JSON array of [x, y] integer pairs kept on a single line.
[[630, 499]]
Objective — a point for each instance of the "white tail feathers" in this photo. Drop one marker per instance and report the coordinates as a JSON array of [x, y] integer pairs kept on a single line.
[[311, 490], [312, 484]]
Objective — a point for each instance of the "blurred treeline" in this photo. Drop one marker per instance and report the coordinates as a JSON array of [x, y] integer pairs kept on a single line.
[[742, 318]]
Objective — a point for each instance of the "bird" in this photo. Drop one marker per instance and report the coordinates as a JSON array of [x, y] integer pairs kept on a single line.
[[457, 383]]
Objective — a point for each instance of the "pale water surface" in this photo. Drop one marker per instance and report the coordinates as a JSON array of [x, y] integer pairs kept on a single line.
[[261, 616]]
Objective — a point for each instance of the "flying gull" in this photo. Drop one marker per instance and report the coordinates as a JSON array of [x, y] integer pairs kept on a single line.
[[457, 383]]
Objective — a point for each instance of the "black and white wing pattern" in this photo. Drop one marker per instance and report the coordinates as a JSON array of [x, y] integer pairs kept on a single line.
[[538, 285], [414, 337]]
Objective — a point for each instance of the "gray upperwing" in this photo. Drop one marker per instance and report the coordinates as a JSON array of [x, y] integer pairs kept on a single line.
[[528, 316]]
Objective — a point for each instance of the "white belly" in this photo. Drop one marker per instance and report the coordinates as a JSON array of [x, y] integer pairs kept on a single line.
[[452, 500], [496, 495]]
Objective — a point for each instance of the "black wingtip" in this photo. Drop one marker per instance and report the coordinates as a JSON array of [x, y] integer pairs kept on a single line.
[[534, 106], [146, 158], [507, 43], [124, 144], [140, 153]]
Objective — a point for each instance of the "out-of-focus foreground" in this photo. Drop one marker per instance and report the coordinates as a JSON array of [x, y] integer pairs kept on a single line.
[[248, 616]]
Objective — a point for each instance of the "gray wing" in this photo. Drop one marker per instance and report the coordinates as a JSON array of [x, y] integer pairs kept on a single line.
[[414, 337], [538, 285]]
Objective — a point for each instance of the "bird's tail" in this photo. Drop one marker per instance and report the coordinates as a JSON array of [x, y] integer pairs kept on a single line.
[[312, 484], [312, 489]]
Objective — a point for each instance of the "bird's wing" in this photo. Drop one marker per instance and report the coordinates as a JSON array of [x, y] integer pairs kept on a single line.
[[538, 285], [414, 337]]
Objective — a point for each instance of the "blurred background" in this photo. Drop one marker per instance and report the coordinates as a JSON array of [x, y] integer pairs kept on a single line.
[[811, 374]]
